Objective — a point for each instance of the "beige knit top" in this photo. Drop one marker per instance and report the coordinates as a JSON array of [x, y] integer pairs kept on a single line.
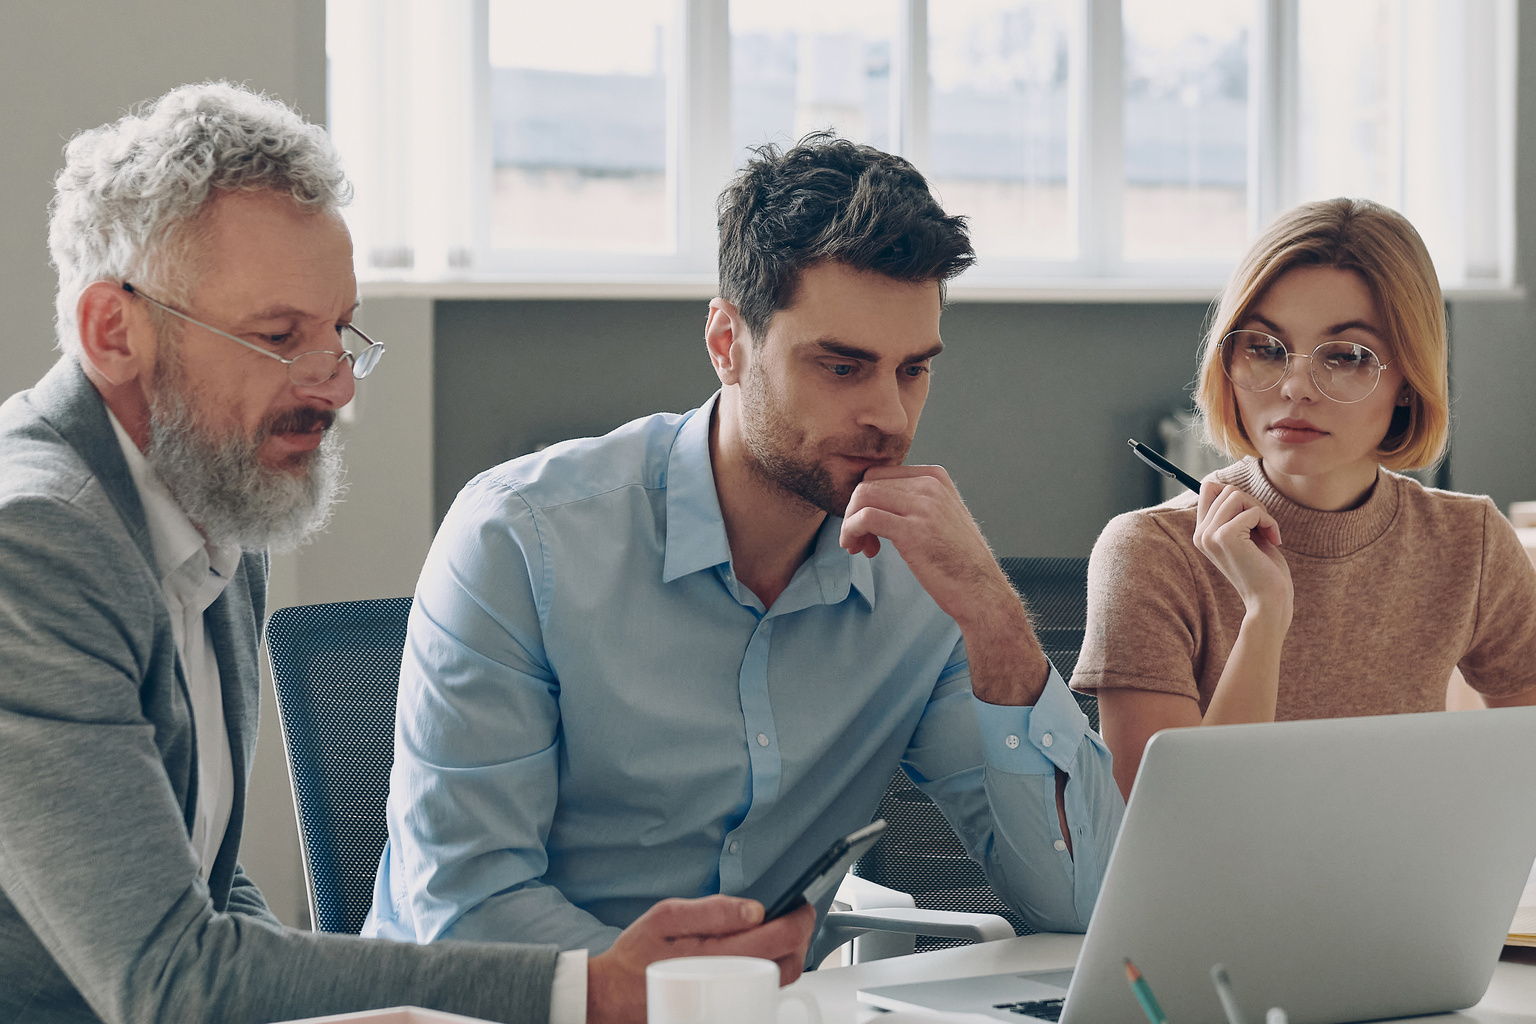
[[1389, 597]]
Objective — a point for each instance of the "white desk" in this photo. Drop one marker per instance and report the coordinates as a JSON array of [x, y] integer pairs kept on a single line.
[[1511, 998]]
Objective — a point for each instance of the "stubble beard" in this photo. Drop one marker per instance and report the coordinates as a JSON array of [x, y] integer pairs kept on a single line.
[[221, 483], [768, 433]]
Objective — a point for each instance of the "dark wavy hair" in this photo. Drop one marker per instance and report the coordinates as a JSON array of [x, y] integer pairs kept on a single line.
[[829, 199]]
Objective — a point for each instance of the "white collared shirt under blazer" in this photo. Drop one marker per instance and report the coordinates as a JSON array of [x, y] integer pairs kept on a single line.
[[193, 573]]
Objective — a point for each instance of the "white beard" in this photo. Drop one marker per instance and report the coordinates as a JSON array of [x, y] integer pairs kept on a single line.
[[223, 486]]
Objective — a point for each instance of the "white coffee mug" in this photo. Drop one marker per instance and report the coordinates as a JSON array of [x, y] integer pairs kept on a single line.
[[719, 990]]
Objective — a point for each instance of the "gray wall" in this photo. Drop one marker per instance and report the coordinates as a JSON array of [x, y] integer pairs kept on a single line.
[[1030, 407], [1493, 344], [1029, 410]]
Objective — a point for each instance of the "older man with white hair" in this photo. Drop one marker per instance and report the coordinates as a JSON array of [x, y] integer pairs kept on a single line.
[[205, 301]]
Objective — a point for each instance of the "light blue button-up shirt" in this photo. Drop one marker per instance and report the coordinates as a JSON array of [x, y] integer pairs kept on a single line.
[[595, 714]]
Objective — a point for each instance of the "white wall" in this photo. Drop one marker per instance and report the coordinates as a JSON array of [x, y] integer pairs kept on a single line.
[[67, 65]]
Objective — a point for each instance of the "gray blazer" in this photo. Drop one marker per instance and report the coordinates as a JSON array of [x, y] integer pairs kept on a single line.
[[103, 915]]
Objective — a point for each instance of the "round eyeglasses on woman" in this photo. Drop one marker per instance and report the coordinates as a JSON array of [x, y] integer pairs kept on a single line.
[[1342, 370], [307, 369]]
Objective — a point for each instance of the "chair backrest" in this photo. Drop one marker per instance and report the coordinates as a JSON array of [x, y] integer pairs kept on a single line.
[[919, 853], [1055, 590], [336, 668]]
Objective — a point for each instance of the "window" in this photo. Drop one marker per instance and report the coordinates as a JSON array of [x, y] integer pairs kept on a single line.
[[1186, 130], [579, 154], [808, 65], [999, 129], [1091, 142]]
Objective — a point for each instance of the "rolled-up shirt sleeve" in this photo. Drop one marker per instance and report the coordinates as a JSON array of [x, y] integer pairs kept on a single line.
[[1002, 805]]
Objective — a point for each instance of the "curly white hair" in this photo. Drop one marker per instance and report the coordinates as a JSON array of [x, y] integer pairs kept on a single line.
[[128, 198]]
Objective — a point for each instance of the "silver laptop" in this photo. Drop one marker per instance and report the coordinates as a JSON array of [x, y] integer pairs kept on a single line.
[[1344, 870]]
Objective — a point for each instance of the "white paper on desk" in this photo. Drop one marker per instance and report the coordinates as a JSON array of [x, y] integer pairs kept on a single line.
[[1524, 923], [932, 1017], [393, 1015]]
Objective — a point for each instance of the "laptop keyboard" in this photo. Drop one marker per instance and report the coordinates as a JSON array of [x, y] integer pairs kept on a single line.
[[1040, 1009]]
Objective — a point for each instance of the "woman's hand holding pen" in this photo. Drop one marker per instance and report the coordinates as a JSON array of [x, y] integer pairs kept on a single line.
[[1242, 539]]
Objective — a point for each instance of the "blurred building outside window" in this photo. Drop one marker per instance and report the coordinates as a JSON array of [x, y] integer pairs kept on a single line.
[[999, 133], [1186, 129], [578, 97]]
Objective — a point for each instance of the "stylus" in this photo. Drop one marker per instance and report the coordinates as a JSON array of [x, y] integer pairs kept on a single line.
[[1224, 991]]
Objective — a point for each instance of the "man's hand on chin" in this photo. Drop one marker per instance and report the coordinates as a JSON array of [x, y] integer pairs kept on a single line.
[[712, 926], [919, 509]]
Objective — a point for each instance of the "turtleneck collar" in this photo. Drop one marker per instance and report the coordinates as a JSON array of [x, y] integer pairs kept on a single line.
[[1310, 531]]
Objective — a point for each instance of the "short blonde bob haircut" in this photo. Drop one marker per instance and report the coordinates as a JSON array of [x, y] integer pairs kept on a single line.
[[1384, 249]]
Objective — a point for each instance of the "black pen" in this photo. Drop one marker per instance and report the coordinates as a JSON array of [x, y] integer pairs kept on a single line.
[[1162, 465]]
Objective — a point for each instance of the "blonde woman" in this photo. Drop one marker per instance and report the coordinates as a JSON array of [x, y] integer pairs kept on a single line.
[[1309, 580]]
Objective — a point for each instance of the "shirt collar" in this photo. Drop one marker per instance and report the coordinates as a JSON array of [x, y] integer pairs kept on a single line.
[[837, 570], [171, 533], [696, 529]]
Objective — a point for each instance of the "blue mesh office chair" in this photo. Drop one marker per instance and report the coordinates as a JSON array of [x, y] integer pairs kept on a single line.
[[336, 668], [919, 853]]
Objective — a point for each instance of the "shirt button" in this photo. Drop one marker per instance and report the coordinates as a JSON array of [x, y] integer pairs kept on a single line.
[[1012, 742], [1060, 844], [1046, 740], [736, 846], [762, 739]]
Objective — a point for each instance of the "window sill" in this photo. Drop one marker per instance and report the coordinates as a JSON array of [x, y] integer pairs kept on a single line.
[[1090, 291]]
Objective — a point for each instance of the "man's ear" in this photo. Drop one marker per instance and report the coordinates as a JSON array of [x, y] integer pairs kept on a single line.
[[108, 343], [728, 340]]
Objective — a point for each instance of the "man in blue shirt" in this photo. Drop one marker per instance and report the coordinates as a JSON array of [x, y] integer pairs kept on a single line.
[[682, 658]]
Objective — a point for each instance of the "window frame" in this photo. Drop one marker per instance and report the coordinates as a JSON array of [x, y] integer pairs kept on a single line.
[[446, 230]]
